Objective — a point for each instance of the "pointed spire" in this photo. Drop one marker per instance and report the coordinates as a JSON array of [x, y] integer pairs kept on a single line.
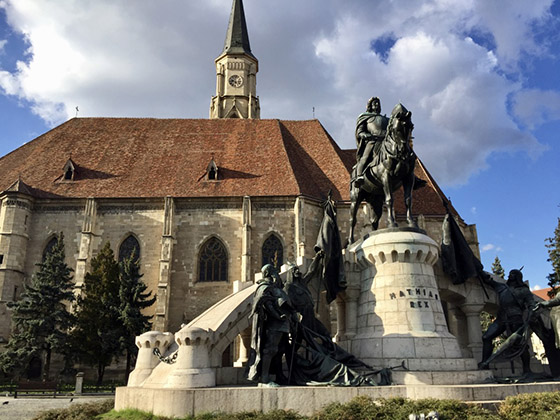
[[237, 37]]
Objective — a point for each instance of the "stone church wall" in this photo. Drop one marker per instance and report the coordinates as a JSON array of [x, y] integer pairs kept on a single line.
[[295, 221], [193, 227], [47, 223], [114, 225]]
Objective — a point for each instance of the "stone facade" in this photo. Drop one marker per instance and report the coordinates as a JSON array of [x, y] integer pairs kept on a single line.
[[28, 225]]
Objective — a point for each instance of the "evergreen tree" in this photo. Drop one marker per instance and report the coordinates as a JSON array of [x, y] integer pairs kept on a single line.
[[553, 245], [40, 318], [497, 268], [133, 298], [98, 327]]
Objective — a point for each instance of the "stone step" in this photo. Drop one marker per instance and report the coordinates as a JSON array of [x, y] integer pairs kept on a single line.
[[401, 377], [426, 364]]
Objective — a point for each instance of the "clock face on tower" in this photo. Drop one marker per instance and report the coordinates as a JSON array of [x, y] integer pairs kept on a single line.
[[236, 81]]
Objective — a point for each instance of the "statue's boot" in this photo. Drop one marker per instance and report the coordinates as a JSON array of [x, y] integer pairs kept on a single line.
[[270, 384], [265, 368], [486, 353]]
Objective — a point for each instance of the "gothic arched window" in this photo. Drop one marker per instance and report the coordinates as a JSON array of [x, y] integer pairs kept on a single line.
[[213, 261], [273, 251], [49, 247], [128, 246]]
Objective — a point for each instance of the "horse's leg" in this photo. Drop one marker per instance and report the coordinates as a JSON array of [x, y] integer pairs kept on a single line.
[[389, 201], [356, 197], [376, 204], [408, 186]]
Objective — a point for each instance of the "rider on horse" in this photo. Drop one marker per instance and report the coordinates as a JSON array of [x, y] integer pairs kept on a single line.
[[371, 128]]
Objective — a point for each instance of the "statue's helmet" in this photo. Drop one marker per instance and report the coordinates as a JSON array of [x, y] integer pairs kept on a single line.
[[293, 271], [267, 270], [515, 276], [371, 101]]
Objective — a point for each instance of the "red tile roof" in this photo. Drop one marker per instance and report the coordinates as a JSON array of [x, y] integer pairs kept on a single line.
[[147, 157], [543, 293]]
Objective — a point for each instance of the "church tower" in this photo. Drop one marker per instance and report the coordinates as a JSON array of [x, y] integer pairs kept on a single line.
[[236, 72]]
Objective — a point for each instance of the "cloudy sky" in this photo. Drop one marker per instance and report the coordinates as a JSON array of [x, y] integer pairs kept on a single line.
[[482, 78]]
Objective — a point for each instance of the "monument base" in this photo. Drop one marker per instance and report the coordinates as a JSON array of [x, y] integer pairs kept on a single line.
[[400, 316], [304, 400]]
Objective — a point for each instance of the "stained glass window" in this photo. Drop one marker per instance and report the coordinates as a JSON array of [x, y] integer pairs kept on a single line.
[[50, 246], [213, 261], [273, 252], [128, 246]]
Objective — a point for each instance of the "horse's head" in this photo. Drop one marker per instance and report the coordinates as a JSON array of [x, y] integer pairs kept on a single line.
[[400, 125]]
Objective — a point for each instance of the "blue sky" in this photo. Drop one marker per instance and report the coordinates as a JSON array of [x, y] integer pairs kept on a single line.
[[482, 78]]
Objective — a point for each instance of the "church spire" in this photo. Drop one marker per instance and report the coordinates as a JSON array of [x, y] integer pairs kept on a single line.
[[236, 71], [237, 37]]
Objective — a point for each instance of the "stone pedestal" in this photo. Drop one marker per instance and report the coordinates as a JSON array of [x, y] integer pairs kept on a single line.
[[193, 367], [147, 360], [400, 316]]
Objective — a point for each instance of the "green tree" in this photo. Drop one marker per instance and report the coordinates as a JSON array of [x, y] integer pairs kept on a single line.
[[133, 299], [497, 268], [98, 326], [553, 245], [40, 318]]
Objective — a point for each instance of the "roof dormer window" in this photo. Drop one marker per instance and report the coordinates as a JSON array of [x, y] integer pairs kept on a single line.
[[69, 171], [212, 171]]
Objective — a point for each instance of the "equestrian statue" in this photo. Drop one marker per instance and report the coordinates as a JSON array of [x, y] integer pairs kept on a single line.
[[385, 162]]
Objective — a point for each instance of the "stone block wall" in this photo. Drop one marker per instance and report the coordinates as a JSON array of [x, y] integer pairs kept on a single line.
[[294, 220]]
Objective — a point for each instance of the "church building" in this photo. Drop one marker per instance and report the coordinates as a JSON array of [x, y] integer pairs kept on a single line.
[[206, 202]]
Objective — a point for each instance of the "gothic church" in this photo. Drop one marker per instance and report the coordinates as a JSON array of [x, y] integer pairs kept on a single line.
[[196, 197]]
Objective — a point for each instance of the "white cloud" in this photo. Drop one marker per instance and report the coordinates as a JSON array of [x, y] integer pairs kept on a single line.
[[491, 247], [157, 60], [2, 44], [534, 107], [536, 287], [488, 247]]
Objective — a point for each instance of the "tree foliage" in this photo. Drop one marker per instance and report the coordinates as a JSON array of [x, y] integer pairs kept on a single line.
[[553, 245], [40, 317], [96, 338], [133, 299], [497, 268]]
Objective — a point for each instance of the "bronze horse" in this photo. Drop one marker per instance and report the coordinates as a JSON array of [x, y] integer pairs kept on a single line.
[[392, 166]]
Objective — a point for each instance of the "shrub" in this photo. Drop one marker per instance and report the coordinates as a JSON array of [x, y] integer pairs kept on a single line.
[[364, 407], [250, 415], [541, 406], [85, 411]]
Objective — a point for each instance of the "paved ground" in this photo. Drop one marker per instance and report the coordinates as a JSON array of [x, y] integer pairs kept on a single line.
[[24, 408]]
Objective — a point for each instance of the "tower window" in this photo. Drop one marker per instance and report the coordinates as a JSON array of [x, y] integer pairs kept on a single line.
[[213, 261], [1, 258], [273, 251]]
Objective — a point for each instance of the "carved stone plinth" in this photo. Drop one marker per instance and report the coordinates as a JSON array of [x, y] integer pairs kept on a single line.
[[193, 368], [400, 316], [147, 361]]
